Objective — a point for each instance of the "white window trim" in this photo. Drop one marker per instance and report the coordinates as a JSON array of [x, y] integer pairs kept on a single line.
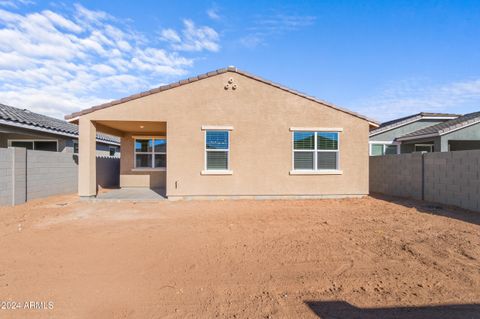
[[207, 171], [33, 142], [423, 145], [316, 129], [217, 128], [315, 170], [152, 153], [216, 172], [385, 144]]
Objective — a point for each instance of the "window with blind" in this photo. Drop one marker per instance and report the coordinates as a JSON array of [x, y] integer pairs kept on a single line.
[[151, 153], [217, 148], [315, 151]]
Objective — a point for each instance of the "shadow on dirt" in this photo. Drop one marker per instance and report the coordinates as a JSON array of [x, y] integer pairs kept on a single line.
[[344, 310], [433, 208]]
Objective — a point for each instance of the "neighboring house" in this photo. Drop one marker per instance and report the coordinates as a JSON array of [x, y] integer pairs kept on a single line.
[[228, 133], [462, 133], [384, 139], [23, 128]]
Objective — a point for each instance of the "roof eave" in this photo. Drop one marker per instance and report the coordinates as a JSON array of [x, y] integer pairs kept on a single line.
[[50, 131], [417, 137]]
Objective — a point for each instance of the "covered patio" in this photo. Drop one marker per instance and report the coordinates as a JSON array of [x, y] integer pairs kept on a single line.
[[143, 160]]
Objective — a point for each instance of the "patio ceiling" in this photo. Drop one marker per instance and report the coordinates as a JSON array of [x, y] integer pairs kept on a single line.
[[138, 127]]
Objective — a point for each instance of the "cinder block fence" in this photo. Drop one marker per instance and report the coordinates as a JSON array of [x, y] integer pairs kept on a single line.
[[451, 178], [27, 174]]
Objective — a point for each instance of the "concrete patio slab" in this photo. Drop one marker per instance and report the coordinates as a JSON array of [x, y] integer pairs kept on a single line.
[[133, 194]]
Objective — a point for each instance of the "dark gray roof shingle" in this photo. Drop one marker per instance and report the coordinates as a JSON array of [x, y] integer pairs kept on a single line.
[[35, 120], [445, 127], [386, 126]]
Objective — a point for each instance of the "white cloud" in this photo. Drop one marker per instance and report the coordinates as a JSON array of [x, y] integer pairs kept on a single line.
[[263, 27], [14, 3], [213, 14], [170, 35], [57, 63], [417, 95], [192, 38], [60, 21], [251, 41]]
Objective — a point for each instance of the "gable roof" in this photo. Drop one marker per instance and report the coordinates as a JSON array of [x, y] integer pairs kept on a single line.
[[14, 116], [75, 115], [390, 125], [443, 128]]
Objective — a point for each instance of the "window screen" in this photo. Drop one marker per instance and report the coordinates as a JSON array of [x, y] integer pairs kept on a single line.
[[391, 149], [377, 149], [50, 146], [217, 148], [27, 145], [315, 150], [45, 146]]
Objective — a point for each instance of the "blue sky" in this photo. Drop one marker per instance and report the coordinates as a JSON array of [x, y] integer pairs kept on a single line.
[[384, 59]]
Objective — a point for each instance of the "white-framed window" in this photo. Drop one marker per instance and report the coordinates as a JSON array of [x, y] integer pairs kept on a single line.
[[315, 151], [217, 150], [112, 150], [150, 153], [37, 145], [424, 148], [379, 148]]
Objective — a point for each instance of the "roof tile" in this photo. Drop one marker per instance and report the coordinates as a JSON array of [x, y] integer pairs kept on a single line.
[[445, 127], [24, 116]]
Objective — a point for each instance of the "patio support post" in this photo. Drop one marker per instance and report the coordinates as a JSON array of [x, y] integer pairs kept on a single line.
[[87, 176]]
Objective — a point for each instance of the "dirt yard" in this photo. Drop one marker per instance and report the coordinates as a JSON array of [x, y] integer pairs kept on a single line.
[[351, 258]]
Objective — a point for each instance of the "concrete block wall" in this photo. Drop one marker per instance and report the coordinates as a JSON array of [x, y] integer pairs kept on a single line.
[[451, 178], [397, 175], [27, 174], [6, 177], [19, 165], [51, 173]]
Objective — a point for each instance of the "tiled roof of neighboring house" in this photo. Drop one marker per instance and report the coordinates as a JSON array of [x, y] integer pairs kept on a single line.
[[207, 75], [445, 127], [390, 125], [31, 120]]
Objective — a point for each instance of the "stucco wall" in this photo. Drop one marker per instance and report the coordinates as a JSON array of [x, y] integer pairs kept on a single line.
[[129, 177], [261, 142], [470, 133], [409, 146], [405, 129]]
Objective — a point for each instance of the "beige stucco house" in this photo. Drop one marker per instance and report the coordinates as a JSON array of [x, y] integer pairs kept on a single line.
[[228, 133]]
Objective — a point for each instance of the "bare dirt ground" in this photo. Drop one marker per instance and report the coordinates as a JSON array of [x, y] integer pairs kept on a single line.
[[350, 258]]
